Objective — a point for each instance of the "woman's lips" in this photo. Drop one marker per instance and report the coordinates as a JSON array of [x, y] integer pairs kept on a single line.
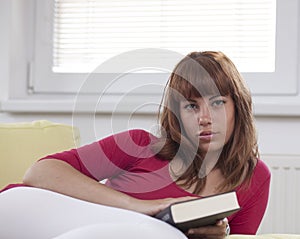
[[206, 135]]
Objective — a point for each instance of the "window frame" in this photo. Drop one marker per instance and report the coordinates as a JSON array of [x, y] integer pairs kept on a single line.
[[260, 83]]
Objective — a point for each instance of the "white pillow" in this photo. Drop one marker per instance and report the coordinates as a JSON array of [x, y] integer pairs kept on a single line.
[[36, 213], [127, 230]]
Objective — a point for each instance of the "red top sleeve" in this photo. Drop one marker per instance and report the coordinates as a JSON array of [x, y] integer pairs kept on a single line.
[[253, 201], [109, 156]]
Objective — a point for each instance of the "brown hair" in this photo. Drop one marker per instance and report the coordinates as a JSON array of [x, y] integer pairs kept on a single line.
[[199, 74]]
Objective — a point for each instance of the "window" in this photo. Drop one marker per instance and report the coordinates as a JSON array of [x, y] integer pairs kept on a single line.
[[260, 37], [89, 31]]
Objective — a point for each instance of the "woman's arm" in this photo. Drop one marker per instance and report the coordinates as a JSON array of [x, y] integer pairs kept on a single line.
[[61, 177]]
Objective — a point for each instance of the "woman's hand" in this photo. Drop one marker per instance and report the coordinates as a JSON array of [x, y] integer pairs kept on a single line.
[[218, 231], [152, 207]]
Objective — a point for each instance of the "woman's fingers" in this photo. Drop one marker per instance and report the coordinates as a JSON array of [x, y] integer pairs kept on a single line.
[[217, 231]]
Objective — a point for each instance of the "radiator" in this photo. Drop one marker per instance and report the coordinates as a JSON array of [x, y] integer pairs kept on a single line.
[[283, 211]]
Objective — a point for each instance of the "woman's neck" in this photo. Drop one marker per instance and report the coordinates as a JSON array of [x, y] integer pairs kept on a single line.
[[213, 176]]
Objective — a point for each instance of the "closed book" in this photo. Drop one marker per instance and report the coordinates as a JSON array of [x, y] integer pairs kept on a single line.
[[201, 211]]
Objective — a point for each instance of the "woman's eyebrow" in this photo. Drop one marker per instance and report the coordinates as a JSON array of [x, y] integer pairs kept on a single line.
[[190, 100], [215, 96]]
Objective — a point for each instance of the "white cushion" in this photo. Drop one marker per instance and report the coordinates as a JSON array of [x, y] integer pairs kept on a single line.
[[36, 213]]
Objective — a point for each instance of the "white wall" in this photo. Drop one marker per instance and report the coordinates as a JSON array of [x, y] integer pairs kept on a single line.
[[277, 135]]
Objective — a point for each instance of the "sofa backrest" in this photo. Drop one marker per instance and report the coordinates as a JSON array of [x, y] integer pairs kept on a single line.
[[21, 144]]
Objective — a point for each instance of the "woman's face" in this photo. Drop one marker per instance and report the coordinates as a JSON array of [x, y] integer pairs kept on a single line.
[[208, 121]]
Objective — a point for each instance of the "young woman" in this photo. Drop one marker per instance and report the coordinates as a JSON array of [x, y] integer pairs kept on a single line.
[[207, 145]]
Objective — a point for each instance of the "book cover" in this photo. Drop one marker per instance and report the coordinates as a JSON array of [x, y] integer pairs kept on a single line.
[[201, 211]]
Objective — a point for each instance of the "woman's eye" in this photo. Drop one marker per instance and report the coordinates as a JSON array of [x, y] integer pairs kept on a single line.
[[190, 106], [218, 102]]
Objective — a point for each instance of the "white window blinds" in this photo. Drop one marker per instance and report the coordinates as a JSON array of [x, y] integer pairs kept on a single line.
[[89, 32]]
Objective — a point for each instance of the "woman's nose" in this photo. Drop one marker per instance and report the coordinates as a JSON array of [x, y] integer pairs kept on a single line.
[[204, 121], [204, 117]]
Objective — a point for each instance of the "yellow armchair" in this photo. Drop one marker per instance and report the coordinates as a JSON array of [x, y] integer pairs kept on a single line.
[[266, 236], [21, 144]]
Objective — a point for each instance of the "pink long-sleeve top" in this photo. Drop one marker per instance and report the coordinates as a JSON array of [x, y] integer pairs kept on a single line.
[[128, 164]]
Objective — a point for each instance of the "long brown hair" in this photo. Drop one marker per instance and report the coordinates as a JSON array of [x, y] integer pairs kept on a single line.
[[196, 75]]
